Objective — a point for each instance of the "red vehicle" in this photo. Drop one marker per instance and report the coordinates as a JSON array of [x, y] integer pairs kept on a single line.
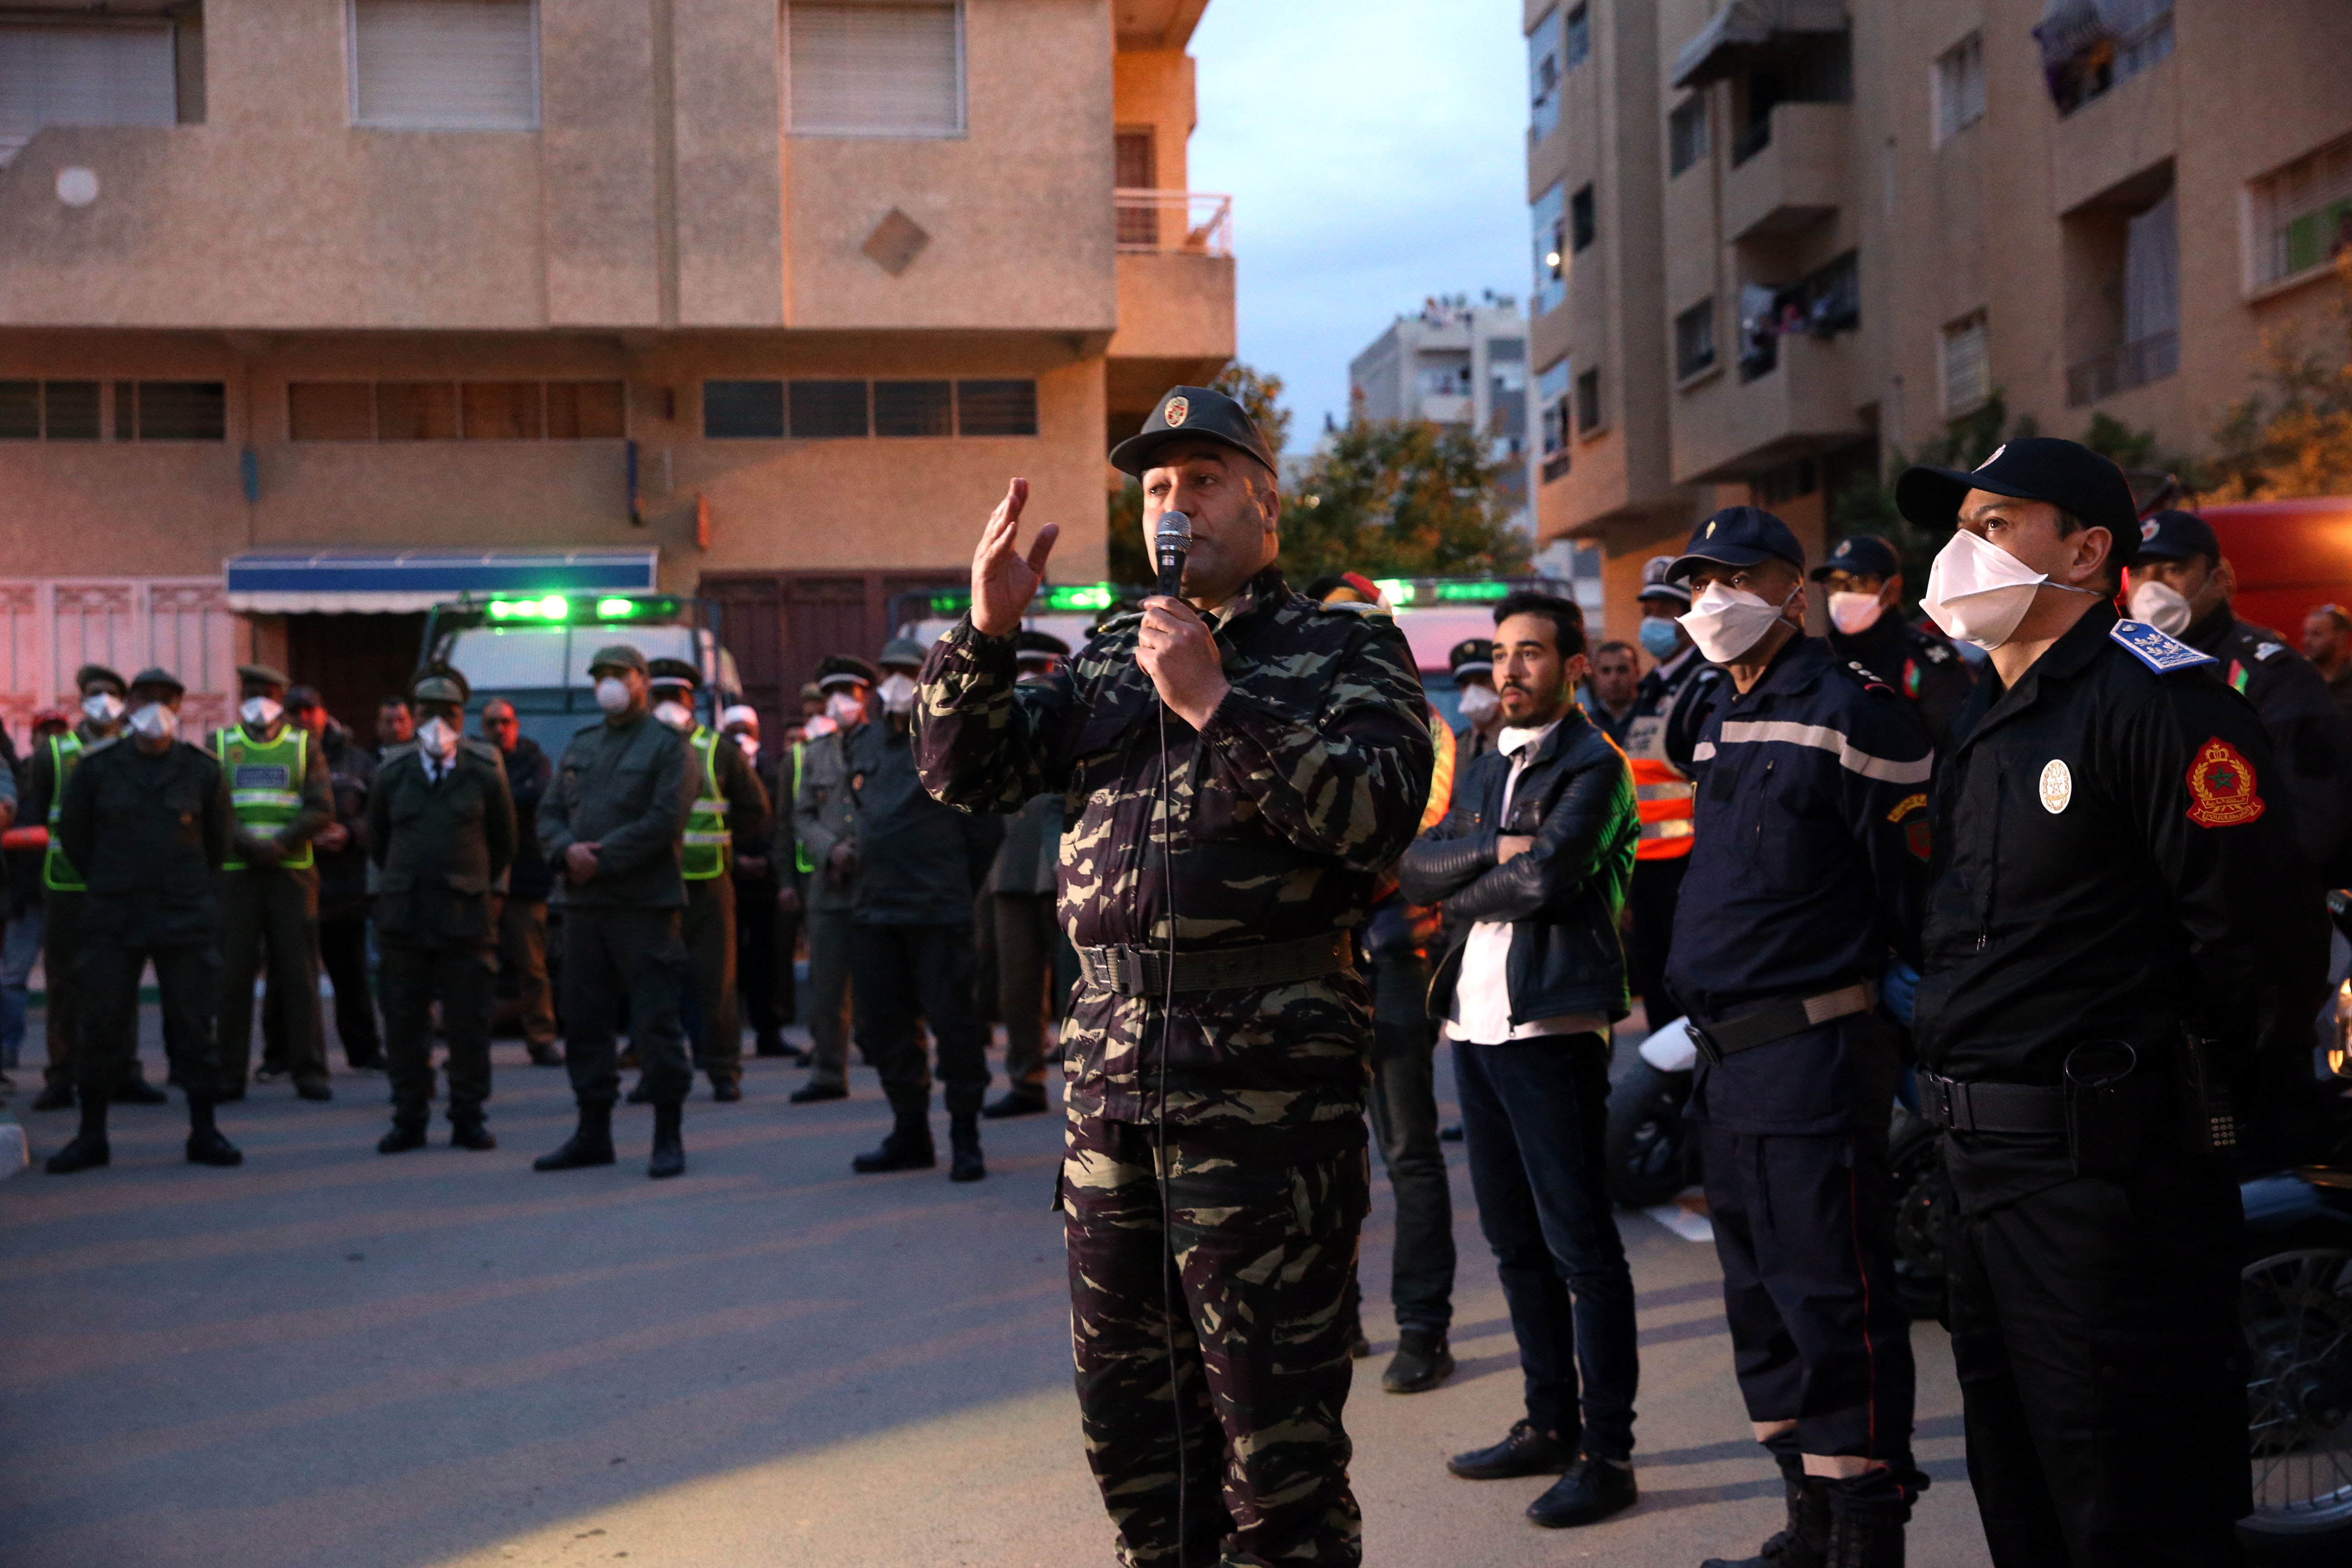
[[2289, 556]]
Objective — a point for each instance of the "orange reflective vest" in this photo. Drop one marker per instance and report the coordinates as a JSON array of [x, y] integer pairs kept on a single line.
[[1663, 794]]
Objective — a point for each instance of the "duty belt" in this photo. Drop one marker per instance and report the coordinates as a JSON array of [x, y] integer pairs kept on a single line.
[[1777, 1019], [2015, 1108], [1145, 971]]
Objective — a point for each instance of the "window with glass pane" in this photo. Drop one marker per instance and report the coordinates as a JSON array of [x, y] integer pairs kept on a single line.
[[1694, 339], [2301, 216], [1552, 417], [1583, 225], [1549, 217], [996, 407], [1959, 88], [117, 74], [443, 65], [742, 410], [1578, 40], [69, 410], [1543, 77], [1686, 142], [1588, 401], [828, 410], [182, 411], [914, 408], [501, 410], [20, 410], [884, 68]]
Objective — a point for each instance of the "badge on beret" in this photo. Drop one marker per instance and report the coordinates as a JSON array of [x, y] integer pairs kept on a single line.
[[2057, 786], [1178, 410], [2221, 787], [1988, 462]]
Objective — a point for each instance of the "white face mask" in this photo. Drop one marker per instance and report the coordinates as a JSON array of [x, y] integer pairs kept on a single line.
[[1480, 704], [845, 709], [1727, 621], [677, 715], [2161, 606], [155, 720], [748, 741], [102, 707], [898, 693], [1854, 614], [261, 711], [613, 694], [438, 737], [1978, 592]]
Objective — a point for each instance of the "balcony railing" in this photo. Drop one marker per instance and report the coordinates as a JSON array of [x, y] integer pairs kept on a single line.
[[2122, 367], [1173, 223], [1751, 139]]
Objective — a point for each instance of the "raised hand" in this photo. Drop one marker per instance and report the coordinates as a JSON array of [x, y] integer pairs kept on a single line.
[[1002, 581]]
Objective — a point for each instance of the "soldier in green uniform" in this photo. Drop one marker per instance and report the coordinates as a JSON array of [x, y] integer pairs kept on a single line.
[[441, 826], [284, 793], [1215, 1055], [614, 823], [147, 821], [825, 823], [102, 708], [727, 800]]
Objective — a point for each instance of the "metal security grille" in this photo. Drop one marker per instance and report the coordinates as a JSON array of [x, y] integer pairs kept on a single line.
[[828, 410], [914, 408], [996, 407]]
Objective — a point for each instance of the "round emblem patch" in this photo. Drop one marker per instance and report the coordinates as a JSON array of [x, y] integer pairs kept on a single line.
[[2057, 786], [1178, 410]]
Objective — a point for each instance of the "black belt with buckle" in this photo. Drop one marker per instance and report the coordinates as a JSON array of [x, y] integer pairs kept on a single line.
[[1146, 972], [1777, 1019], [2014, 1108]]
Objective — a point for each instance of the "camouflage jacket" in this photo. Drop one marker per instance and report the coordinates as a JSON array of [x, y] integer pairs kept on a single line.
[[1308, 782]]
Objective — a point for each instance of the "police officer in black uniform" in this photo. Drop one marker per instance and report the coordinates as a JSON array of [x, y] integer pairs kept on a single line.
[[1670, 706], [2181, 584], [1863, 579], [1806, 867], [1472, 663], [2121, 919]]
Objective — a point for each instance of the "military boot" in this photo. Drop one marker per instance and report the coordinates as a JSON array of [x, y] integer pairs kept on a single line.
[[590, 1145], [1804, 1541], [1867, 1513], [132, 1089], [407, 1132], [471, 1133], [964, 1164], [907, 1148], [670, 1145], [205, 1145], [89, 1149]]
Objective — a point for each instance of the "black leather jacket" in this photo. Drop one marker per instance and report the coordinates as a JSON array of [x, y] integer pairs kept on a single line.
[[1561, 897]]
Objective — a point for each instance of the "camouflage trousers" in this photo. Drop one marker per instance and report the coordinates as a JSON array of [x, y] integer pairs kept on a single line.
[[1218, 1316]]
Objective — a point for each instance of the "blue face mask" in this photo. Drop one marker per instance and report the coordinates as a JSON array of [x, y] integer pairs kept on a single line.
[[1658, 638]]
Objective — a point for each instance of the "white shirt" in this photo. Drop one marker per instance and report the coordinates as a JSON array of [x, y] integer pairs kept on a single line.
[[1482, 988]]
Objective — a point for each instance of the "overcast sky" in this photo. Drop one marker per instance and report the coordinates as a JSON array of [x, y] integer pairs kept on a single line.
[[1376, 151]]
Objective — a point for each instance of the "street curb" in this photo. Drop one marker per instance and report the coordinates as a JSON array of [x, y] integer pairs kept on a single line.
[[14, 1154]]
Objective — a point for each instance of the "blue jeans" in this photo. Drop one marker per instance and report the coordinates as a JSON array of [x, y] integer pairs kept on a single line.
[[18, 951], [1534, 1116]]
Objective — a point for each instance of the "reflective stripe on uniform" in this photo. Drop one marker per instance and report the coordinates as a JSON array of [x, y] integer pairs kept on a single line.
[[1665, 790], [58, 873], [1820, 737], [266, 812], [800, 850], [1663, 799], [284, 797], [706, 838], [1672, 827]]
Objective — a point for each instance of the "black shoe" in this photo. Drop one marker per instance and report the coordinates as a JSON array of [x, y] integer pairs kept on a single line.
[[909, 1148], [207, 1147], [1867, 1537], [545, 1053], [314, 1088], [472, 1135], [1590, 1491], [1014, 1102], [230, 1096], [403, 1136], [371, 1065], [772, 1046], [54, 1097], [268, 1072], [1526, 1452], [670, 1146], [964, 1164], [1421, 1361], [590, 1145], [139, 1091], [641, 1095], [1804, 1541], [726, 1090], [810, 1093], [80, 1154]]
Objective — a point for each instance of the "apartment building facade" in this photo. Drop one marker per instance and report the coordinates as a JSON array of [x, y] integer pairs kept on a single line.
[[305, 305], [1456, 364], [1777, 242]]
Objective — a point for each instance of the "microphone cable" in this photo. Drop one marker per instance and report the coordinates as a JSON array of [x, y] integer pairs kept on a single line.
[[1169, 1265]]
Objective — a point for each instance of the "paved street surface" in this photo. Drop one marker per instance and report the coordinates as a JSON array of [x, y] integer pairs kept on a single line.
[[329, 1357]]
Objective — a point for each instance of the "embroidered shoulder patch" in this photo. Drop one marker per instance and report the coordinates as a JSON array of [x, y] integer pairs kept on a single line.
[[1919, 837], [2221, 787], [2266, 652], [2155, 649]]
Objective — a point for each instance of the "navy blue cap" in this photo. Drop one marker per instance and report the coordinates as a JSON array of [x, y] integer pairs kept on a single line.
[[1738, 536], [1192, 414], [1472, 656], [2066, 474], [2177, 536], [1861, 555]]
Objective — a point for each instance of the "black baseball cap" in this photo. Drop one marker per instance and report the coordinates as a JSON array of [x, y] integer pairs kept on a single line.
[[1472, 656], [1738, 536], [1192, 414], [2177, 536], [1862, 555], [2066, 474]]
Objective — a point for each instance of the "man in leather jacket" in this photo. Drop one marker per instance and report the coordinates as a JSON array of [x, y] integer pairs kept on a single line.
[[1533, 862]]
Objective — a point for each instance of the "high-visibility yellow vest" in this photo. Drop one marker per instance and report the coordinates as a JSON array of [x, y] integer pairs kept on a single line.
[[264, 785], [792, 803], [708, 844], [58, 873]]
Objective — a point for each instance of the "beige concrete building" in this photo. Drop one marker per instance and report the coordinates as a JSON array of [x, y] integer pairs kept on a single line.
[[760, 297], [1777, 241]]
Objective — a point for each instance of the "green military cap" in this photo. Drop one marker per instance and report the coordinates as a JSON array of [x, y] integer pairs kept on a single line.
[[1192, 414], [90, 674], [617, 655], [438, 686], [674, 672], [262, 675], [904, 652], [156, 674], [812, 692]]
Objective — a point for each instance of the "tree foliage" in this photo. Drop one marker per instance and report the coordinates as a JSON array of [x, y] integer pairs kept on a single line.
[[2292, 437]]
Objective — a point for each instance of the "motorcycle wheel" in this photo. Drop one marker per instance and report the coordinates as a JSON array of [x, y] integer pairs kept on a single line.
[[1923, 1201], [2297, 1304], [1648, 1144]]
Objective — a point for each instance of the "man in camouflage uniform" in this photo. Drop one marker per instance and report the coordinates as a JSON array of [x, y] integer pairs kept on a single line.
[[1214, 1181]]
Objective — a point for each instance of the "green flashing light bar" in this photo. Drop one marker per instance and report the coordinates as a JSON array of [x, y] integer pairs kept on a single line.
[[1404, 592], [548, 609], [1076, 599]]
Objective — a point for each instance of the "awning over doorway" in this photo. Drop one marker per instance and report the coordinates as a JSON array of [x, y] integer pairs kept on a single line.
[[1744, 23], [296, 582]]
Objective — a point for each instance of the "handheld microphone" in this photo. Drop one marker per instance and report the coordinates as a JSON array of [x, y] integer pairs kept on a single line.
[[1170, 545]]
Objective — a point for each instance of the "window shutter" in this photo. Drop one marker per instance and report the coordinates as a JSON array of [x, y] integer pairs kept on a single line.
[[876, 69], [83, 76], [444, 65], [1968, 371]]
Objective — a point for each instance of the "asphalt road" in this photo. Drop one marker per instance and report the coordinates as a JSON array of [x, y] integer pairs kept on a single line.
[[329, 1357]]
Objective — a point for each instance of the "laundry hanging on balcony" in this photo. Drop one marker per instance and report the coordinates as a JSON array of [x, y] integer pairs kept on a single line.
[[1744, 25]]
